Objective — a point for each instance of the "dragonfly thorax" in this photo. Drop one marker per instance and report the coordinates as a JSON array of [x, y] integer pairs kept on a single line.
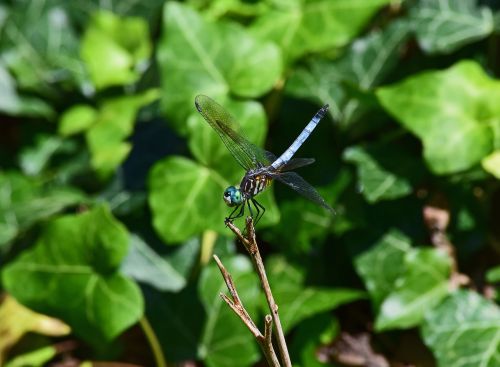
[[254, 183], [233, 196]]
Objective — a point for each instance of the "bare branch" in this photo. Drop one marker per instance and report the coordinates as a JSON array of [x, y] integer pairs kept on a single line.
[[250, 243], [264, 341]]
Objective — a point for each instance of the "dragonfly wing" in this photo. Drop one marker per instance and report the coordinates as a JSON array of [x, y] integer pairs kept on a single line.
[[300, 185], [248, 155], [270, 156], [296, 163]]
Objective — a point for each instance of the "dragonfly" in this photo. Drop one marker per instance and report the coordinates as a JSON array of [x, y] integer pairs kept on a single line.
[[261, 166]]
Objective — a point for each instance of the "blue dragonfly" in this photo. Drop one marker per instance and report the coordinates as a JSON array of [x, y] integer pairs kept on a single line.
[[262, 167]]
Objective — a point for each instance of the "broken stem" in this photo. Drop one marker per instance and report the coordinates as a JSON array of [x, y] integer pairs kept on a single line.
[[250, 243], [264, 341]]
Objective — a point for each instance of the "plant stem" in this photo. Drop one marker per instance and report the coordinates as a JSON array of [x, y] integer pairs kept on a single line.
[[207, 246], [153, 342], [235, 303], [250, 244]]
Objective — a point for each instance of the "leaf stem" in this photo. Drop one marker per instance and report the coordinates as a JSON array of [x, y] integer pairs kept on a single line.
[[207, 246], [153, 342]]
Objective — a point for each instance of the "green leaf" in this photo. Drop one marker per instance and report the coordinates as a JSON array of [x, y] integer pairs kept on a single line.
[[177, 319], [236, 8], [16, 321], [385, 171], [114, 49], [491, 163], [464, 331], [311, 333], [72, 273], [77, 119], [302, 27], [15, 104], [459, 106], [33, 160], [37, 357], [304, 223], [296, 301], [383, 264], [186, 199], [24, 201], [365, 64], [444, 26], [420, 288], [144, 265], [148, 9], [40, 48], [191, 61], [493, 275], [114, 123], [226, 341]]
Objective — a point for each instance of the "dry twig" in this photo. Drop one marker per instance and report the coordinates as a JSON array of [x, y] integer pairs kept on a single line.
[[265, 341], [250, 243]]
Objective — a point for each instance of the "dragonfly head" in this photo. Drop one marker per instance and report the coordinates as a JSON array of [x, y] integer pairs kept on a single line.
[[233, 196]]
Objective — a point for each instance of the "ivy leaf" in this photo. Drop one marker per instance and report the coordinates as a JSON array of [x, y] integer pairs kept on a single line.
[[236, 8], [383, 264], [444, 26], [114, 48], [15, 104], [318, 330], [77, 119], [107, 127], [148, 10], [464, 331], [191, 61], [37, 357], [17, 321], [298, 302], [491, 163], [302, 27], [24, 201], [459, 107], [384, 171], [226, 342], [420, 288], [193, 194], [33, 160], [493, 274], [72, 273], [177, 319], [40, 48], [144, 265], [304, 223], [366, 63], [114, 123]]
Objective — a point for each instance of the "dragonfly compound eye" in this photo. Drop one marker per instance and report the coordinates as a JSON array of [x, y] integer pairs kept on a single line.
[[232, 196]]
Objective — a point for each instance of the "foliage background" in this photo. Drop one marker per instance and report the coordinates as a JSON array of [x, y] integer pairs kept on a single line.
[[110, 188]]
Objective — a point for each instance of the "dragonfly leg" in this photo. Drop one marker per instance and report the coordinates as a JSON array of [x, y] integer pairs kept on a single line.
[[250, 208], [258, 206], [232, 216]]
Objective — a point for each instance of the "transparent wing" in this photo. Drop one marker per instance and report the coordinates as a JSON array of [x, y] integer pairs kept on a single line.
[[292, 163], [296, 163], [302, 187], [248, 155]]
